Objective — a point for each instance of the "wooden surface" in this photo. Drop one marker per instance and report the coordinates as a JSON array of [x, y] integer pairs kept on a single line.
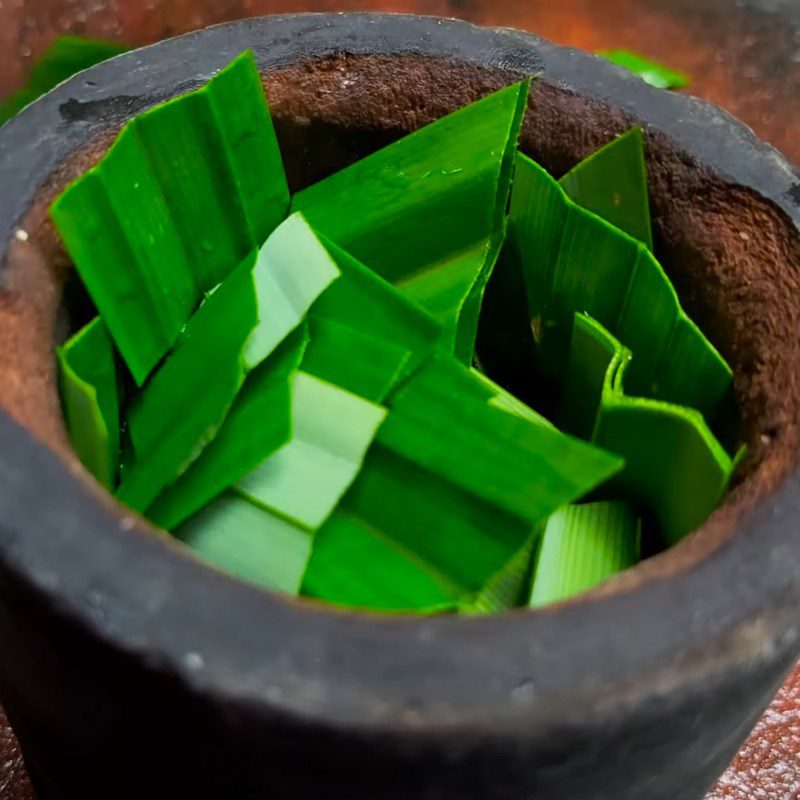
[[745, 59]]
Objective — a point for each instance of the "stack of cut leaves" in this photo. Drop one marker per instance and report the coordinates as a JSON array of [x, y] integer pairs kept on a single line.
[[286, 384]]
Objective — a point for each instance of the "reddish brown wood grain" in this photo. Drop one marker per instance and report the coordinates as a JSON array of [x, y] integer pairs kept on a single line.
[[745, 60]]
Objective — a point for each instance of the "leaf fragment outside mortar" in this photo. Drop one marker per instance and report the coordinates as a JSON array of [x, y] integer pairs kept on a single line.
[[63, 58], [652, 72]]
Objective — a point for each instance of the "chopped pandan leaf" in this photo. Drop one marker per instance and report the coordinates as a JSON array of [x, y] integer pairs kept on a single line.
[[182, 407], [353, 360], [448, 496], [658, 75], [88, 379], [370, 306], [674, 466], [355, 565], [582, 546], [185, 193], [246, 541], [258, 423], [65, 57], [331, 432], [612, 183], [427, 213], [366, 337], [572, 261], [505, 588]]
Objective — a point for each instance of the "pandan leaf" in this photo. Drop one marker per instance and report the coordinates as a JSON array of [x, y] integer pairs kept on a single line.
[[182, 407], [353, 360], [370, 306], [91, 405], [571, 261], [258, 423], [582, 546], [505, 588], [658, 75], [674, 466], [65, 57], [612, 183], [365, 337], [427, 212], [185, 193], [246, 541], [331, 431], [449, 494]]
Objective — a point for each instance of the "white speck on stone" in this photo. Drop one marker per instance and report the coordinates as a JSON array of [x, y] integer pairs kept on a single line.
[[21, 235], [744, 236], [127, 523], [194, 661], [524, 693]]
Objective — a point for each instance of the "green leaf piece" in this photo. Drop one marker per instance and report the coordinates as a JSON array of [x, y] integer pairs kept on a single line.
[[331, 432], [65, 57], [184, 404], [365, 337], [658, 75], [292, 271], [375, 311], [571, 261], [353, 360], [505, 589], [582, 546], [674, 467], [427, 212], [249, 543], [91, 404], [258, 423], [311, 412], [448, 496], [185, 193], [612, 183]]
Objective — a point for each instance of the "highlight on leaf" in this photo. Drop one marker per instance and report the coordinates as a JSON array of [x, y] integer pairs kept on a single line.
[[293, 388]]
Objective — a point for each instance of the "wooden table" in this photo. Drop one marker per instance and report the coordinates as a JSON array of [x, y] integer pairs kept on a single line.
[[743, 55]]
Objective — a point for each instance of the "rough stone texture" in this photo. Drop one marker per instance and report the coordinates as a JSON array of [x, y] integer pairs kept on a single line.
[[767, 768]]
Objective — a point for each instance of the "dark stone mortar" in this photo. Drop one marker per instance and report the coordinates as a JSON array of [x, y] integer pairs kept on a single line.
[[130, 670]]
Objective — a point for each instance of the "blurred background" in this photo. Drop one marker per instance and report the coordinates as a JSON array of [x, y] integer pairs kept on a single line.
[[743, 55]]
